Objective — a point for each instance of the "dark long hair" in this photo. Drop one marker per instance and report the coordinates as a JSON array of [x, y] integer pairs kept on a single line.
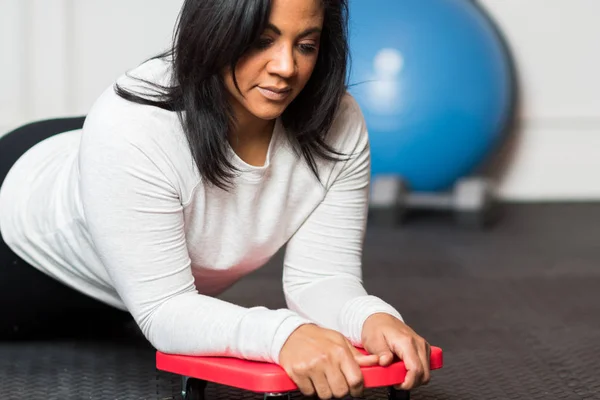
[[211, 35]]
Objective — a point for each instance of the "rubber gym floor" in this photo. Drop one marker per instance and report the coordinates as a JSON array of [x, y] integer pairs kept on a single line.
[[515, 308]]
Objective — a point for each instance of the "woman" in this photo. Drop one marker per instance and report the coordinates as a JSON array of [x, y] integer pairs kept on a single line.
[[191, 172]]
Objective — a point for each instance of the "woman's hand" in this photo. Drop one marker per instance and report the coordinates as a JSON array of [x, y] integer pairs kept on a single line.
[[387, 336], [323, 362]]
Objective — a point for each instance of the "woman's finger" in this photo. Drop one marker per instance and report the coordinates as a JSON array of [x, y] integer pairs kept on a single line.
[[301, 377], [414, 370], [363, 360], [305, 386], [336, 379], [379, 346], [321, 384], [353, 374], [424, 351]]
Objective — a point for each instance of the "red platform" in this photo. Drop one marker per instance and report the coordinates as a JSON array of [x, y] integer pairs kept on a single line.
[[271, 378]]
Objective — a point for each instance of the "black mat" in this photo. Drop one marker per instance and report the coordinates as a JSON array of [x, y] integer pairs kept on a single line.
[[516, 310]]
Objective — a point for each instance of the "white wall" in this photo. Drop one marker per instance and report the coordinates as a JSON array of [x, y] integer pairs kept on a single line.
[[556, 151], [12, 75], [56, 56]]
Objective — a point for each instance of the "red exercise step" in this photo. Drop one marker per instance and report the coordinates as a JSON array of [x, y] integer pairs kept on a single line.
[[263, 377]]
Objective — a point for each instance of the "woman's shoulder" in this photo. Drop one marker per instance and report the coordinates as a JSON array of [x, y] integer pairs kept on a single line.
[[348, 133], [142, 78], [114, 117], [118, 126]]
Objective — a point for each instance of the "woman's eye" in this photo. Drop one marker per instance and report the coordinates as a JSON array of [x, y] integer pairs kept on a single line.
[[263, 43], [308, 48], [305, 48]]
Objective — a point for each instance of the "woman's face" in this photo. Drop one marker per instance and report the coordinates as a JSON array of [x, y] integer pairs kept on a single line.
[[272, 74]]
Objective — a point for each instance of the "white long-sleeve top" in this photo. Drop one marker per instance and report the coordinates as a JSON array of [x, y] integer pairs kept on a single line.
[[118, 211]]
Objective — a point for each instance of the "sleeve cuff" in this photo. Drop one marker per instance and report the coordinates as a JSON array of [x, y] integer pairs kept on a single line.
[[285, 329], [356, 312]]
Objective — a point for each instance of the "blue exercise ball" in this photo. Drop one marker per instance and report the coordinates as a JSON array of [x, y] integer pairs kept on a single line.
[[433, 79]]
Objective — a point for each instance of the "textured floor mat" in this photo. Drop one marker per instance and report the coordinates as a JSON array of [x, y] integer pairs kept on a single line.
[[76, 371], [516, 310]]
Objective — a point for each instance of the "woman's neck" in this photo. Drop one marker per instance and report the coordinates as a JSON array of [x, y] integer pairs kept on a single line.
[[250, 138]]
